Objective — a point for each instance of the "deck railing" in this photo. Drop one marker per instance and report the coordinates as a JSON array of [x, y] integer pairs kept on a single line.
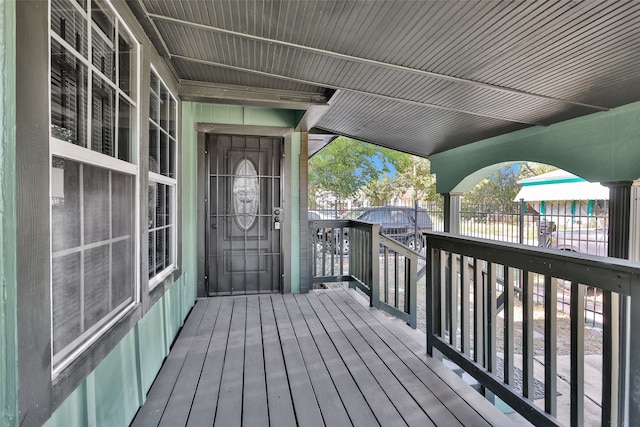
[[464, 325], [355, 252], [487, 312]]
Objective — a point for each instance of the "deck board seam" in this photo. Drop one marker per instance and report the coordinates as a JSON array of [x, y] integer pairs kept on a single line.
[[342, 382], [361, 370], [172, 364], [400, 396], [472, 398]]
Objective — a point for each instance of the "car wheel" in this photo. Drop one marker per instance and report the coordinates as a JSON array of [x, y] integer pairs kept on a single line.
[[414, 243]]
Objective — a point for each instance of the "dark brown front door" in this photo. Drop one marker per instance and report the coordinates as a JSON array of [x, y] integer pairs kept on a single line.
[[244, 214]]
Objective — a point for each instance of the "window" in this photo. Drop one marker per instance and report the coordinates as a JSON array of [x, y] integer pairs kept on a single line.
[[162, 181], [93, 173]]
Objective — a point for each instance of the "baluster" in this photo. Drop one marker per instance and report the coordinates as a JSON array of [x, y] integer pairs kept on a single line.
[[577, 354], [465, 309], [527, 334], [508, 324], [550, 341]]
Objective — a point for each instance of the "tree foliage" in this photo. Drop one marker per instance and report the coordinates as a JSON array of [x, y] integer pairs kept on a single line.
[[497, 192], [347, 165], [417, 177]]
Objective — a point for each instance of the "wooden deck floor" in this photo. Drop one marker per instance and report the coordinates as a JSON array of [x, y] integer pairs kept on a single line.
[[309, 360]]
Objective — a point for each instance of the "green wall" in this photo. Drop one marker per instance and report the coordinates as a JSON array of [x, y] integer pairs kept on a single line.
[[8, 284], [600, 147], [113, 392], [196, 112]]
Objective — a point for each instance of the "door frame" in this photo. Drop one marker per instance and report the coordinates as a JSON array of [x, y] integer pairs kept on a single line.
[[203, 129]]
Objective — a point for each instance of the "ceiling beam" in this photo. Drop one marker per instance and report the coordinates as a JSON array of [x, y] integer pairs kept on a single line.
[[373, 62], [361, 92], [200, 91]]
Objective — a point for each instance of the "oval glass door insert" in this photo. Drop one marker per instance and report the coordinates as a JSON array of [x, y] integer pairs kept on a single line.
[[246, 193]]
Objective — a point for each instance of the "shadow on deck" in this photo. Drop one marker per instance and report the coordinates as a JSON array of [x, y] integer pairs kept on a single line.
[[314, 359]]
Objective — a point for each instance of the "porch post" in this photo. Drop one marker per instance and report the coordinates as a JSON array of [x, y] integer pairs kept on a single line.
[[452, 213], [616, 309]]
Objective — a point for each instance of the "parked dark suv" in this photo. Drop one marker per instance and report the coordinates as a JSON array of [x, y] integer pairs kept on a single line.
[[397, 222]]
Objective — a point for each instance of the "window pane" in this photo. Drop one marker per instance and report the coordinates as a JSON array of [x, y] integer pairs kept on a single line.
[[66, 300], [172, 158], [153, 200], [65, 204], [161, 206], [125, 130], [154, 106], [69, 23], [164, 154], [123, 204], [104, 55], [68, 96], [160, 250], [96, 204], [152, 254], [122, 273], [168, 204], [103, 115], [96, 285], [126, 58], [172, 117], [167, 247], [164, 107], [104, 19], [154, 148]]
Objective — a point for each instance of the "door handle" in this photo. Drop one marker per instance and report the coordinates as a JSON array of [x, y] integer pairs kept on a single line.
[[214, 226]]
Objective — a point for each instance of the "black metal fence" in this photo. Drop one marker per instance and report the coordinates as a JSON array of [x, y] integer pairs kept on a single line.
[[579, 226]]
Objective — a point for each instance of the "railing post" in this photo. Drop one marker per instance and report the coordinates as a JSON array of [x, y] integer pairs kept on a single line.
[[614, 352], [432, 274], [411, 284], [452, 213], [634, 365], [523, 210], [375, 266]]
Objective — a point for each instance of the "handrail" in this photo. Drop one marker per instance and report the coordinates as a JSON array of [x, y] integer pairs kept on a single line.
[[381, 267], [450, 313]]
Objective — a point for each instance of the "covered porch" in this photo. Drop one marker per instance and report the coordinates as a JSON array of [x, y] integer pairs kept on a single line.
[[110, 115], [321, 358]]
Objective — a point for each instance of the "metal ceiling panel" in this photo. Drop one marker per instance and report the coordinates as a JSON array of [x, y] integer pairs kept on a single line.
[[449, 72], [410, 129]]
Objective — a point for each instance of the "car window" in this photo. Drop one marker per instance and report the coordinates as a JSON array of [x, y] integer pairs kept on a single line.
[[424, 220], [399, 217], [376, 216], [354, 214]]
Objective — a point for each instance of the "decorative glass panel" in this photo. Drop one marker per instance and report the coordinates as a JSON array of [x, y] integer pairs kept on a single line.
[[246, 193]]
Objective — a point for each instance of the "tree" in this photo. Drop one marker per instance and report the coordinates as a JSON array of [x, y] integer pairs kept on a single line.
[[380, 192], [347, 165], [417, 176], [494, 193]]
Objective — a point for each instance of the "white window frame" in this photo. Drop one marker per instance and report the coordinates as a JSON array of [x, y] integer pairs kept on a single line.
[[172, 183], [87, 156]]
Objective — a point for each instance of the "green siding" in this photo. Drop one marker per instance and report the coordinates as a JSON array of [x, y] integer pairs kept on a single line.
[[8, 284], [153, 346], [113, 392], [189, 179], [600, 147], [116, 386], [238, 115]]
